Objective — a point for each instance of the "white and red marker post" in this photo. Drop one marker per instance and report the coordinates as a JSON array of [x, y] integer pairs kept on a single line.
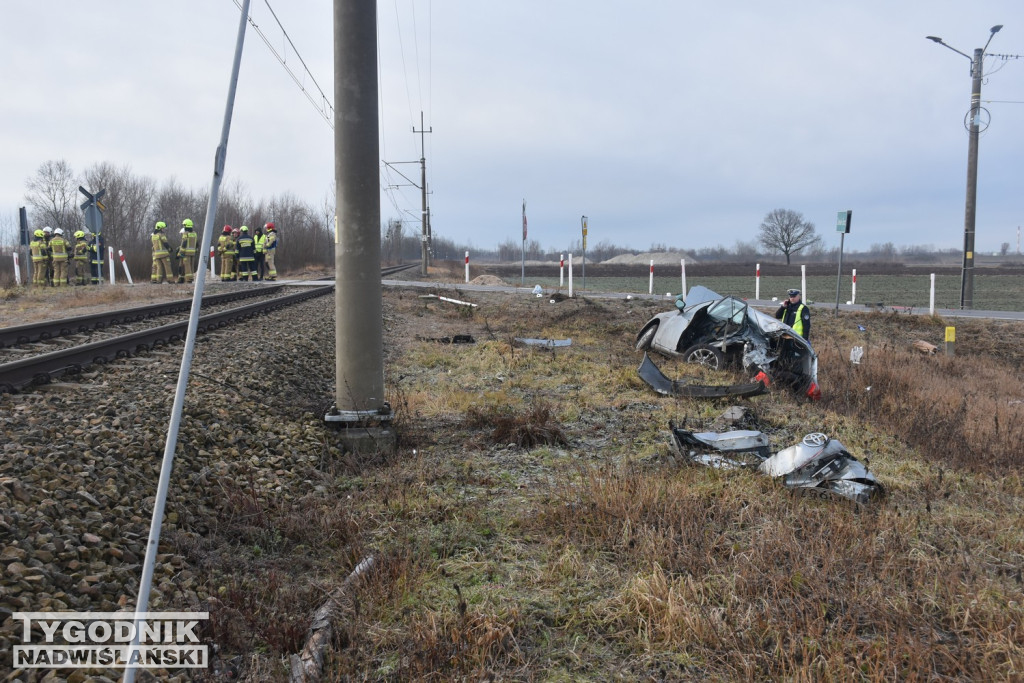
[[757, 282], [561, 270], [110, 263], [124, 265], [213, 268], [467, 267], [853, 294], [682, 266], [650, 286], [17, 269]]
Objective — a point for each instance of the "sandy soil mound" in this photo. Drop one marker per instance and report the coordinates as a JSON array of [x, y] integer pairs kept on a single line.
[[488, 280], [660, 258]]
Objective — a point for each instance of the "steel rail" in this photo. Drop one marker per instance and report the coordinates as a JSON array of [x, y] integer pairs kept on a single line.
[[33, 332], [42, 369]]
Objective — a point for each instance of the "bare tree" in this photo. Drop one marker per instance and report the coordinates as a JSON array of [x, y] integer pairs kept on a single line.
[[51, 194], [127, 222], [787, 232], [1004, 248]]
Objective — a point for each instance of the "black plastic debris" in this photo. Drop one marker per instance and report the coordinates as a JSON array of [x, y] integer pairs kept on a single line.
[[650, 373]]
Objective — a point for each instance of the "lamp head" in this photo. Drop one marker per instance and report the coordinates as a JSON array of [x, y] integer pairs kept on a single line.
[[995, 29], [934, 38]]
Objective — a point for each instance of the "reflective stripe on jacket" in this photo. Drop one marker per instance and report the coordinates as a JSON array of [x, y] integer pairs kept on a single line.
[[188, 243], [159, 245]]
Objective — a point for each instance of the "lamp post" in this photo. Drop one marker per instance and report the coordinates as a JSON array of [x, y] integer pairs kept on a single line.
[[971, 204]]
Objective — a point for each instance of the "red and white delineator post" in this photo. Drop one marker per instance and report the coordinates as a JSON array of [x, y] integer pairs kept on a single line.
[[757, 283], [682, 267], [17, 269], [853, 294], [213, 268], [650, 286], [561, 270], [467, 267], [125, 266], [110, 263], [803, 283]]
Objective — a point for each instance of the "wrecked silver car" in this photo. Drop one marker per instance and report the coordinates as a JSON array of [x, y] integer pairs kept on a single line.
[[817, 466], [715, 330]]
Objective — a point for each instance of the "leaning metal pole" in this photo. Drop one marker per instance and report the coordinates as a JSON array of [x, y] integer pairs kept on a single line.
[[971, 205], [358, 306], [142, 604]]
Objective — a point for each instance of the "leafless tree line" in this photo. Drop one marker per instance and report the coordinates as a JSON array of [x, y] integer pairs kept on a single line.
[[134, 203]]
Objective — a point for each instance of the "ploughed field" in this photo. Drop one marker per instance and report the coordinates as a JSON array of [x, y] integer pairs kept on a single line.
[[534, 521]]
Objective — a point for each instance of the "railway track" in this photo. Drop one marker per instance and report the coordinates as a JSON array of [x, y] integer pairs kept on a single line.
[[42, 369], [72, 356], [41, 362]]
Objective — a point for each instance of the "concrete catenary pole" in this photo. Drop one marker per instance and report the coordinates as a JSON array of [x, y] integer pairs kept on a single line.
[[425, 213], [971, 204], [359, 358]]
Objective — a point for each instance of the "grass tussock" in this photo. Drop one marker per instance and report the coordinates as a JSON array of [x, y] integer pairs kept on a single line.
[[535, 426]]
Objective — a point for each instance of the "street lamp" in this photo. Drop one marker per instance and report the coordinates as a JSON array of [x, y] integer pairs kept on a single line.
[[971, 205]]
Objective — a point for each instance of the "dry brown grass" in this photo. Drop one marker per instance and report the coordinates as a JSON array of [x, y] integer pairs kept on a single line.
[[602, 559]]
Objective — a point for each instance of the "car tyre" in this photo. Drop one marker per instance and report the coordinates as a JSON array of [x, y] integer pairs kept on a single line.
[[706, 355], [646, 338]]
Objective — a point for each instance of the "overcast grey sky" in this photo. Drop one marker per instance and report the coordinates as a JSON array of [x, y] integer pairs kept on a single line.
[[670, 122]]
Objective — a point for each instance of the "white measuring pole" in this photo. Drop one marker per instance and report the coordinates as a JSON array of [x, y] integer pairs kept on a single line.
[[110, 261], [570, 276], [170, 445], [757, 282], [931, 297], [650, 285], [124, 265]]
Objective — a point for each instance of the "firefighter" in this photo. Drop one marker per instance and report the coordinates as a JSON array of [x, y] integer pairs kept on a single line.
[[226, 250], [38, 249], [95, 257], [260, 241], [161, 256], [270, 249], [60, 254], [80, 258], [246, 254], [48, 235], [234, 243], [187, 250]]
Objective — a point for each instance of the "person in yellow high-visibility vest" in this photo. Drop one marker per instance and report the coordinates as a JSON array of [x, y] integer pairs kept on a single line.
[[60, 253], [161, 256], [796, 314], [270, 251], [188, 251], [80, 258], [38, 249]]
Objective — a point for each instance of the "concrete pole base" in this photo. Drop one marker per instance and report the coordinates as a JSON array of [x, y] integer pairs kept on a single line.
[[368, 440]]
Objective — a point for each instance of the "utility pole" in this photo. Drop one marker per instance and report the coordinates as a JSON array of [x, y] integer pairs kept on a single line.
[[971, 203], [425, 236], [358, 304]]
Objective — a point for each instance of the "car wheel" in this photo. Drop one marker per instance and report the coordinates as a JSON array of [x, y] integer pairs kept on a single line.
[[706, 355], [646, 337]]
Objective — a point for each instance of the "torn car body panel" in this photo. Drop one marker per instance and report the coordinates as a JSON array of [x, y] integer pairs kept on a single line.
[[650, 373], [713, 329], [817, 462]]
